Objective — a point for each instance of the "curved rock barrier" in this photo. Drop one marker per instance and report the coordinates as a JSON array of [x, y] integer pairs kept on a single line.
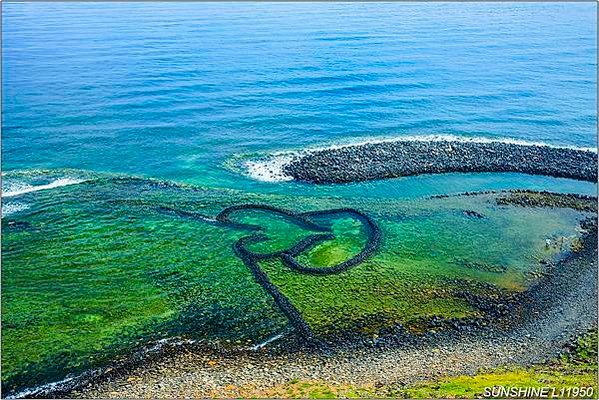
[[529, 198], [533, 198], [288, 256], [392, 159]]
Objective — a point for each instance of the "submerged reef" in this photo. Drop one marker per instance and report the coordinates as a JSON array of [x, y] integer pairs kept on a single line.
[[556, 314], [251, 259], [163, 269], [527, 198], [382, 160]]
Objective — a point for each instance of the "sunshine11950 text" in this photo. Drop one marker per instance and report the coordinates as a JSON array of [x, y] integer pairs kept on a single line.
[[545, 392]]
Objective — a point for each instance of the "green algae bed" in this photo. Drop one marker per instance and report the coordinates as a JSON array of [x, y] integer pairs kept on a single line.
[[93, 271]]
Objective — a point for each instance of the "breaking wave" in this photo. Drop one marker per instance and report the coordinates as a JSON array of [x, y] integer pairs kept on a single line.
[[19, 188], [270, 168]]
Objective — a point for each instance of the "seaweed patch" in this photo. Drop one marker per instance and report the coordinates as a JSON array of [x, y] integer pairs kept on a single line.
[[289, 256]]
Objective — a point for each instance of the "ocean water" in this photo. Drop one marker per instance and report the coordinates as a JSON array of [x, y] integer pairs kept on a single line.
[[176, 90], [114, 112]]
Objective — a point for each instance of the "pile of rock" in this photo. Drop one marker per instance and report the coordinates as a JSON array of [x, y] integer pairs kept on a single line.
[[404, 158]]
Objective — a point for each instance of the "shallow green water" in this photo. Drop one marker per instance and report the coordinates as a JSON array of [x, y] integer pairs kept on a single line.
[[93, 270], [189, 92]]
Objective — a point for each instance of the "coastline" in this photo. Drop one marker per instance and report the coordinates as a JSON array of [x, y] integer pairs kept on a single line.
[[392, 159], [287, 200], [555, 309]]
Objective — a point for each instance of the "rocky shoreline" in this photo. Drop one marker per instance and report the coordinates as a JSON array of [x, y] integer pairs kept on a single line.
[[560, 306], [399, 158]]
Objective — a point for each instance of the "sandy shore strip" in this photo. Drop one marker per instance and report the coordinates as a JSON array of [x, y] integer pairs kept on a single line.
[[406, 157]]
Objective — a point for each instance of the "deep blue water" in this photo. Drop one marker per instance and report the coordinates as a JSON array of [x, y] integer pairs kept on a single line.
[[175, 90]]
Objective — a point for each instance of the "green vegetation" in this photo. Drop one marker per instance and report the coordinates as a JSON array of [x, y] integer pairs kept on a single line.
[[91, 272], [576, 368], [474, 386]]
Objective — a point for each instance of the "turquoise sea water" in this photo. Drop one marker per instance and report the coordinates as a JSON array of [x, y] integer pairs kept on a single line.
[[174, 90], [96, 95]]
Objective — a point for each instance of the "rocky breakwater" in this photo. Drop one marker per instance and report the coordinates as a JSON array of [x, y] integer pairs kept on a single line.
[[414, 157]]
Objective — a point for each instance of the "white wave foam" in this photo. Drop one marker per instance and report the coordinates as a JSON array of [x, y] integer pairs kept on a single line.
[[17, 189], [174, 341], [270, 168], [12, 208], [72, 382], [266, 342], [47, 388], [446, 138]]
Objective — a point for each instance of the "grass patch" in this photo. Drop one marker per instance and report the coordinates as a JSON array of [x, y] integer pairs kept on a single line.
[[577, 367]]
